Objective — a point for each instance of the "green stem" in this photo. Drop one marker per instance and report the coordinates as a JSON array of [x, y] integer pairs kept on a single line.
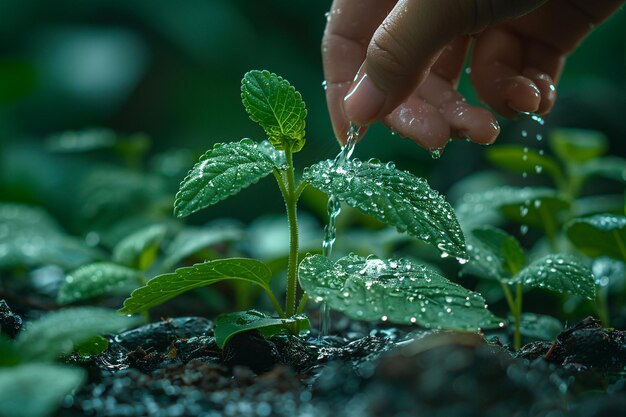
[[291, 202], [620, 244], [550, 228], [509, 298], [517, 337], [302, 304], [602, 307], [275, 302]]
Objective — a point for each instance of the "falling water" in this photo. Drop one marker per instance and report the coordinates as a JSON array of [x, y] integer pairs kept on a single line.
[[334, 208], [524, 134]]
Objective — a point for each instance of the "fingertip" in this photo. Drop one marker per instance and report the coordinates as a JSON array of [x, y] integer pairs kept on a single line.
[[420, 122], [547, 88], [520, 94]]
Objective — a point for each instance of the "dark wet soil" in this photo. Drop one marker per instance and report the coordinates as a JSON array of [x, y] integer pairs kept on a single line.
[[174, 368]]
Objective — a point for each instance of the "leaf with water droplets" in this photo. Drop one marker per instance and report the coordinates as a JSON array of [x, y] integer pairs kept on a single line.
[[532, 206], [139, 249], [167, 286], [494, 253], [560, 273], [221, 172], [275, 104], [230, 324], [611, 167], [95, 279], [578, 145], [522, 159], [56, 333], [540, 326], [394, 197], [394, 290], [599, 235], [36, 389], [30, 237]]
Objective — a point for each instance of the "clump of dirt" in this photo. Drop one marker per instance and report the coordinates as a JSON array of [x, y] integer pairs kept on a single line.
[[10, 323]]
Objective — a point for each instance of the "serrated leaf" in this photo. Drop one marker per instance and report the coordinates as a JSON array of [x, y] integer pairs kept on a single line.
[[228, 325], [539, 326], [529, 205], [36, 389], [30, 237], [138, 250], [82, 140], [221, 172], [191, 240], [599, 235], [95, 279], [522, 159], [56, 333], [577, 145], [398, 291], [394, 197], [611, 167], [167, 286], [275, 104], [560, 273], [494, 253], [91, 347]]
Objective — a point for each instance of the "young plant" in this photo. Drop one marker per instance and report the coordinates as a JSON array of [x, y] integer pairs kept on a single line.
[[498, 256], [365, 288]]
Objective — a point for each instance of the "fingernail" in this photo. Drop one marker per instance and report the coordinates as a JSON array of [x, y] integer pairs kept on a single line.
[[364, 101]]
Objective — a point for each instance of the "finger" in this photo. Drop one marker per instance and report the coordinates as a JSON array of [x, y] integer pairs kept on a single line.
[[349, 29], [420, 122], [451, 60], [465, 120], [547, 89], [496, 74], [407, 44]]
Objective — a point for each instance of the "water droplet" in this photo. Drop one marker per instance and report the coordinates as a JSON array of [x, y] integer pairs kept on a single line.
[[435, 153]]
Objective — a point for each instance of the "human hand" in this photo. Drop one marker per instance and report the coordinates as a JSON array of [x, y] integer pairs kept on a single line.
[[408, 55]]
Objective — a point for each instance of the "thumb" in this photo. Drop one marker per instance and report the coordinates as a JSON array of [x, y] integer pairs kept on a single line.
[[409, 41]]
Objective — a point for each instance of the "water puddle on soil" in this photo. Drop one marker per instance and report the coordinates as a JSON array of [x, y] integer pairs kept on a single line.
[[334, 208]]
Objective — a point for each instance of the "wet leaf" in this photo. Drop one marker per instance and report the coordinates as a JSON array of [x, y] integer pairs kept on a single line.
[[275, 104], [95, 279], [221, 172], [398, 291], [57, 333], [522, 159], [560, 273], [191, 240], [540, 327], [532, 206], [91, 347], [494, 253], [595, 204], [30, 237], [394, 197], [611, 167], [167, 286], [599, 235], [578, 145], [82, 140], [228, 325], [139, 249], [36, 389], [609, 273]]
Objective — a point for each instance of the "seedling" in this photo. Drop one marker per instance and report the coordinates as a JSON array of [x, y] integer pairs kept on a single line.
[[496, 255], [399, 291]]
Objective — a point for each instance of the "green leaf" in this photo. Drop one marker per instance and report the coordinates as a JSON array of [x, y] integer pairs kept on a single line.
[[394, 197], [611, 167], [595, 204], [560, 273], [91, 347], [167, 286], [540, 327], [228, 325], [192, 240], [221, 172], [609, 272], [275, 104], [494, 253], [599, 235], [398, 291], [30, 237], [36, 389], [532, 206], [578, 145], [524, 160], [95, 279], [82, 141], [9, 356], [138, 250], [57, 333]]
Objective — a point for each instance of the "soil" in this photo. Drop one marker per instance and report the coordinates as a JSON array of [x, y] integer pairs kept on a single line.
[[174, 368]]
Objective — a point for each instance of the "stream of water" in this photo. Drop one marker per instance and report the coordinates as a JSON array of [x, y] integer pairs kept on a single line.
[[334, 208]]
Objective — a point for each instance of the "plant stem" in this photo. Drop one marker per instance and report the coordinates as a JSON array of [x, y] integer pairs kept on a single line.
[[302, 304], [291, 201], [517, 337], [550, 228], [602, 307], [275, 302], [620, 244]]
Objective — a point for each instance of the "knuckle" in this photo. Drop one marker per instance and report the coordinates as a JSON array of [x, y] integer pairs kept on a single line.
[[389, 53]]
